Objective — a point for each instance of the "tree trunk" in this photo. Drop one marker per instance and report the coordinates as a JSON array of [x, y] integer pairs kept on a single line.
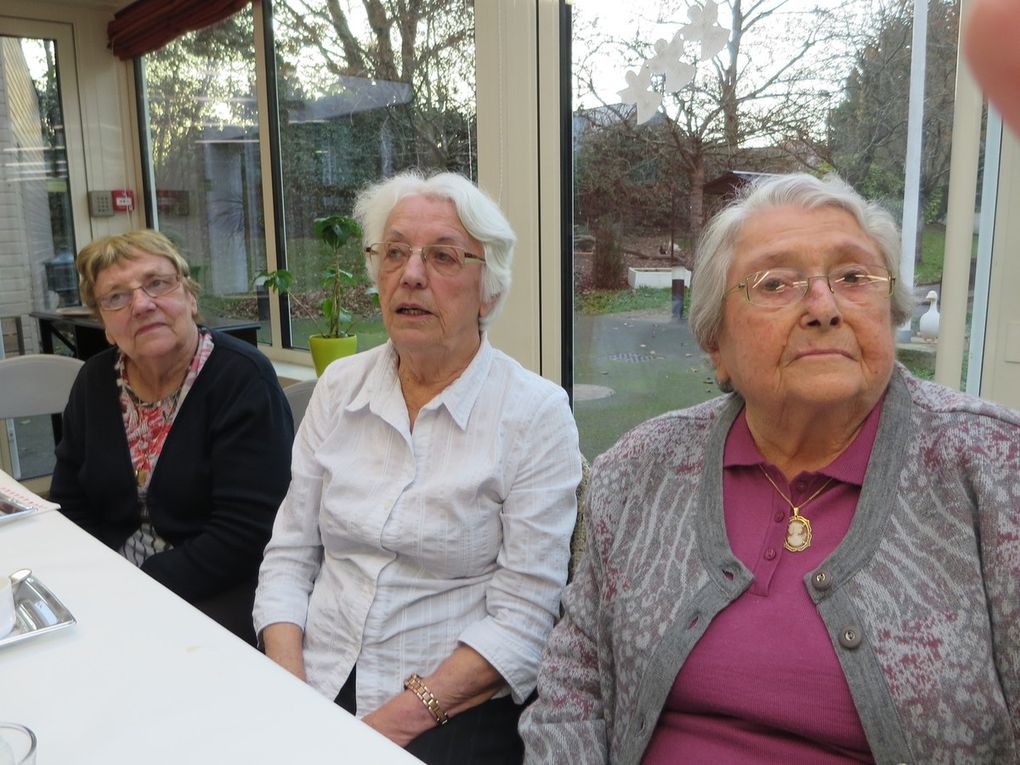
[[697, 193], [607, 260], [728, 84]]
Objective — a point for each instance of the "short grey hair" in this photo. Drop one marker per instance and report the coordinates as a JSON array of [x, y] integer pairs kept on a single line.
[[716, 247], [479, 215]]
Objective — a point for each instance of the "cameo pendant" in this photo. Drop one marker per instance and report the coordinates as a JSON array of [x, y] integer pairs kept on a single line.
[[798, 533]]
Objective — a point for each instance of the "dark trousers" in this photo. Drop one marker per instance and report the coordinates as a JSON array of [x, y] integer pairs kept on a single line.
[[483, 735], [232, 609]]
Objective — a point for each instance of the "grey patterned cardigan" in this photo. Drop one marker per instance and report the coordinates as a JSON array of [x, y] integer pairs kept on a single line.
[[921, 599]]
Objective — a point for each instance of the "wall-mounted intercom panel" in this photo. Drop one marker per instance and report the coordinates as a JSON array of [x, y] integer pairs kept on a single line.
[[103, 204]]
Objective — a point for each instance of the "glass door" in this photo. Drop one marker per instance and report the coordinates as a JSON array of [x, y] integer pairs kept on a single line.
[[41, 176], [679, 104]]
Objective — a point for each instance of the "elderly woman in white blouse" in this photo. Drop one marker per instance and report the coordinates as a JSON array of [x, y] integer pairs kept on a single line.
[[416, 563]]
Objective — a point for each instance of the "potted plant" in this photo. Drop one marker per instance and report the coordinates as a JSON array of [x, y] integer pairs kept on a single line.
[[338, 339]]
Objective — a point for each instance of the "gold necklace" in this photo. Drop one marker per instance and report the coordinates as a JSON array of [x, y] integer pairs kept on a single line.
[[798, 529]]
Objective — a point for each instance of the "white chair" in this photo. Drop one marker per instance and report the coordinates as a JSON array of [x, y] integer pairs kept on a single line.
[[35, 384], [298, 395]]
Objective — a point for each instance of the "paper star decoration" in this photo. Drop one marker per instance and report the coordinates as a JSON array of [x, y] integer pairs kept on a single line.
[[667, 61], [639, 92], [705, 27]]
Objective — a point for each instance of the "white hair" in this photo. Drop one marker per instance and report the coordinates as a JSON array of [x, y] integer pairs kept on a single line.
[[479, 215], [716, 247]]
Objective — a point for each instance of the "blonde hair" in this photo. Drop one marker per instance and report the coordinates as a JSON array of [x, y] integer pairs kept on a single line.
[[102, 253]]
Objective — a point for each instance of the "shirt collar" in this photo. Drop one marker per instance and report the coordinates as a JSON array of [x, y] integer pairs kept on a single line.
[[381, 390], [459, 397], [380, 382], [848, 467]]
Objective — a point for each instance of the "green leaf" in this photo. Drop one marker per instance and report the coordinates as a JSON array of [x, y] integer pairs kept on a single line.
[[278, 281], [336, 230]]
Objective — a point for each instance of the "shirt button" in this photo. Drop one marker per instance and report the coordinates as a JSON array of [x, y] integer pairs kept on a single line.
[[770, 554], [850, 637], [822, 580], [780, 515]]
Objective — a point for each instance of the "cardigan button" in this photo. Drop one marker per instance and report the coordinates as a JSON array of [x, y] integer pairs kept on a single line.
[[821, 581], [850, 637]]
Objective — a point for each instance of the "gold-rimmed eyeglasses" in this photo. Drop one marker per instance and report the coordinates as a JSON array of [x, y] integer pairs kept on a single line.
[[443, 259], [154, 286], [779, 287]]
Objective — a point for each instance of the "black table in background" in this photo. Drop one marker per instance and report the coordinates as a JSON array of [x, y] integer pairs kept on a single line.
[[84, 337]]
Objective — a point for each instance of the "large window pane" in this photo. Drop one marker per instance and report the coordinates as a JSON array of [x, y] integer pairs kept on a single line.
[[36, 226], [204, 145], [816, 86], [360, 101]]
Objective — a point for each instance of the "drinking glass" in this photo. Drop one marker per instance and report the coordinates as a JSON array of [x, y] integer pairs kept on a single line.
[[17, 744]]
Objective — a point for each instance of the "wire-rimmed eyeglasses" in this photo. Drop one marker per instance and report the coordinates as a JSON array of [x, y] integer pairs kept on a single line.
[[444, 259], [154, 286], [779, 287]]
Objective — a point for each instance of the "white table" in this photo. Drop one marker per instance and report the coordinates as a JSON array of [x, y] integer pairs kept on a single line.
[[145, 678]]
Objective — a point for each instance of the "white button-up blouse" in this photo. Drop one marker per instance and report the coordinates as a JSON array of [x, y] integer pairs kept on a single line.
[[392, 546]]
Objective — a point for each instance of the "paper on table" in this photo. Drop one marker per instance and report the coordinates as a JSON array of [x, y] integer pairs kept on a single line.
[[13, 493]]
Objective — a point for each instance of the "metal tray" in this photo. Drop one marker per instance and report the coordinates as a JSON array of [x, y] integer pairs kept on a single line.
[[37, 611], [11, 510]]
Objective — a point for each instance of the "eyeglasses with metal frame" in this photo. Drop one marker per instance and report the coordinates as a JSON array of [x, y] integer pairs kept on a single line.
[[443, 259], [780, 287], [154, 286]]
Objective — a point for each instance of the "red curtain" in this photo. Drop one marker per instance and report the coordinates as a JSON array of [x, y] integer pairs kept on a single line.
[[146, 25]]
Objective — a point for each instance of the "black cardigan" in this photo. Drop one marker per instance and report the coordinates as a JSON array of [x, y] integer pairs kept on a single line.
[[223, 471]]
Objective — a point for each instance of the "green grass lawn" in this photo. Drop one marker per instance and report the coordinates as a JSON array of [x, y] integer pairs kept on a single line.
[[641, 391], [933, 251], [596, 302]]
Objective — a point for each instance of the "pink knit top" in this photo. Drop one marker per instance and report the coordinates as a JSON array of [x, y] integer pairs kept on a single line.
[[763, 684]]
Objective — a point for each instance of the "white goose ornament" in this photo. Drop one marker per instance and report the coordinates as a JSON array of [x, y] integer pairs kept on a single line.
[[928, 326]]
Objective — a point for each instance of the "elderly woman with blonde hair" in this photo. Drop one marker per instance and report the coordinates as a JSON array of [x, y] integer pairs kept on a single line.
[[416, 564], [822, 566], [176, 441]]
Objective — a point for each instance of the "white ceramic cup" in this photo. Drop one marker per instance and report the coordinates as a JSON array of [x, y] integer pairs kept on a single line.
[[6, 606], [17, 744]]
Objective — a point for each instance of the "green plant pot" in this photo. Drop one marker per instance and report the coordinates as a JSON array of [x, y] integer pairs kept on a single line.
[[328, 349]]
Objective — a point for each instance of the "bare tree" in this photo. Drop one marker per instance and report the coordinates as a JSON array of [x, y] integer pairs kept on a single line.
[[759, 104], [426, 44], [868, 129]]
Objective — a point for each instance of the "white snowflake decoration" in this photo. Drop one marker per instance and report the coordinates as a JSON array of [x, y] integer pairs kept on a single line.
[[705, 27], [639, 92], [668, 60]]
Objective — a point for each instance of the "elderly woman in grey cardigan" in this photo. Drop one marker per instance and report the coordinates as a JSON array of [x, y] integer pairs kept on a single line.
[[821, 566]]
